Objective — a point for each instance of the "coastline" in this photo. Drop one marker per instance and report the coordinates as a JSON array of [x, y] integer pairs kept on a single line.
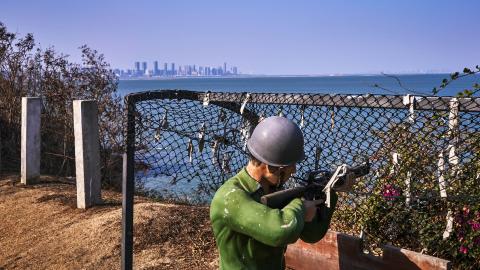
[[253, 76]]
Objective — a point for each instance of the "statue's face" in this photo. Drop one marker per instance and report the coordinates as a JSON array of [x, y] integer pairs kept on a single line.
[[277, 176]]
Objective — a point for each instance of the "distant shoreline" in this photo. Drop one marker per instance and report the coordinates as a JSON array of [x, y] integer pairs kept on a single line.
[[272, 76]]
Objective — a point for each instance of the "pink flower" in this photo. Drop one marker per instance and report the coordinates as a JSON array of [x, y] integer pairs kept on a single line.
[[389, 192], [475, 226], [463, 249]]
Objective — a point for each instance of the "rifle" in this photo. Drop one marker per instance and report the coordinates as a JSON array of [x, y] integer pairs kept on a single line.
[[316, 185]]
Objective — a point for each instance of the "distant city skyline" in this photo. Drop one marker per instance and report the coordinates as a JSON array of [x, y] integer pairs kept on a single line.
[[262, 37], [141, 70]]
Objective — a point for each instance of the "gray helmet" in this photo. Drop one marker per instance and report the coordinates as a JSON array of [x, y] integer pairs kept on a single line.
[[277, 141]]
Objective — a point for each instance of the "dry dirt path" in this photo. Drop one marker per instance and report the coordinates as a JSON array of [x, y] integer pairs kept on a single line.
[[40, 228]]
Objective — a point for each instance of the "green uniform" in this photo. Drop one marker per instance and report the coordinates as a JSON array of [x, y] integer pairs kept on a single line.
[[250, 235]]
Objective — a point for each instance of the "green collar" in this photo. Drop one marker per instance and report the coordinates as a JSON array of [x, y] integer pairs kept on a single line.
[[248, 183]]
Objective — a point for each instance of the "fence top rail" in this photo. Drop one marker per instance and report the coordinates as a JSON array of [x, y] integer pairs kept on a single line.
[[437, 103]]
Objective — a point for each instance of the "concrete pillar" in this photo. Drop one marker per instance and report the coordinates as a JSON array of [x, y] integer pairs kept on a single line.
[[30, 141], [87, 153]]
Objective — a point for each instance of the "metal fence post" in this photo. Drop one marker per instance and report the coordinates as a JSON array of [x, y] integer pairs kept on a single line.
[[128, 188]]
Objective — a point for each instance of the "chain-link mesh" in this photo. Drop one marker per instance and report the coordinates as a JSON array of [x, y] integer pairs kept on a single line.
[[423, 153]]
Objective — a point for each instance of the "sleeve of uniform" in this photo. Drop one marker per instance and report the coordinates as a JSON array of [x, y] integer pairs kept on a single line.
[[273, 227], [315, 230]]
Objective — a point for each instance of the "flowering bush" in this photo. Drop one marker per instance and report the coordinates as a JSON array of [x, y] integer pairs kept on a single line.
[[407, 206], [467, 228]]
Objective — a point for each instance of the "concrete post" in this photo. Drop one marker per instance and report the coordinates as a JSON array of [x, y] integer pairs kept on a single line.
[[87, 153], [30, 139]]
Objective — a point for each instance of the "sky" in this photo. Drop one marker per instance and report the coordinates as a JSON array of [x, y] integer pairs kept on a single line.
[[261, 37]]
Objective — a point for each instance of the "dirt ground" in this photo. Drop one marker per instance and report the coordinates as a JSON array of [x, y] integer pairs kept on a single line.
[[41, 228]]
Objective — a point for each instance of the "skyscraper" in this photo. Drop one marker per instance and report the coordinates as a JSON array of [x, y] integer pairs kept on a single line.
[[165, 69], [144, 67], [225, 68], [155, 68], [173, 68], [137, 67]]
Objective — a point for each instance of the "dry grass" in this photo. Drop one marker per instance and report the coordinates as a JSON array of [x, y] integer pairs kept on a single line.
[[41, 228]]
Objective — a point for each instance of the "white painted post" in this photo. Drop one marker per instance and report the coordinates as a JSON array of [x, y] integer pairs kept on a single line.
[[440, 174], [395, 158], [30, 139], [408, 194], [395, 166], [409, 101], [453, 132], [452, 159], [87, 153]]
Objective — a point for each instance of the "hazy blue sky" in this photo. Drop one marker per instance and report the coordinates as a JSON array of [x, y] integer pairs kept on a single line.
[[266, 37]]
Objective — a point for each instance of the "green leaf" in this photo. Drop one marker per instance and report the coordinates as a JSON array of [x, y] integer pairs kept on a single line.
[[467, 70], [454, 75]]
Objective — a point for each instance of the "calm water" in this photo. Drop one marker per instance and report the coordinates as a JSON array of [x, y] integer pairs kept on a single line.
[[413, 84]]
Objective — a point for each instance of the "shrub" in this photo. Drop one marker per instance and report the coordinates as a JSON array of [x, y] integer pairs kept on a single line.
[[29, 71]]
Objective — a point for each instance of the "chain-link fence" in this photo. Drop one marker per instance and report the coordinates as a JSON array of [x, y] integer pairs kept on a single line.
[[423, 151]]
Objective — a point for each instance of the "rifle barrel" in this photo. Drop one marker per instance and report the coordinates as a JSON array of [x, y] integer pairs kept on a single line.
[[281, 198]]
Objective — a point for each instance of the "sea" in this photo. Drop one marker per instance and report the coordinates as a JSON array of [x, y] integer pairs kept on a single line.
[[417, 84]]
